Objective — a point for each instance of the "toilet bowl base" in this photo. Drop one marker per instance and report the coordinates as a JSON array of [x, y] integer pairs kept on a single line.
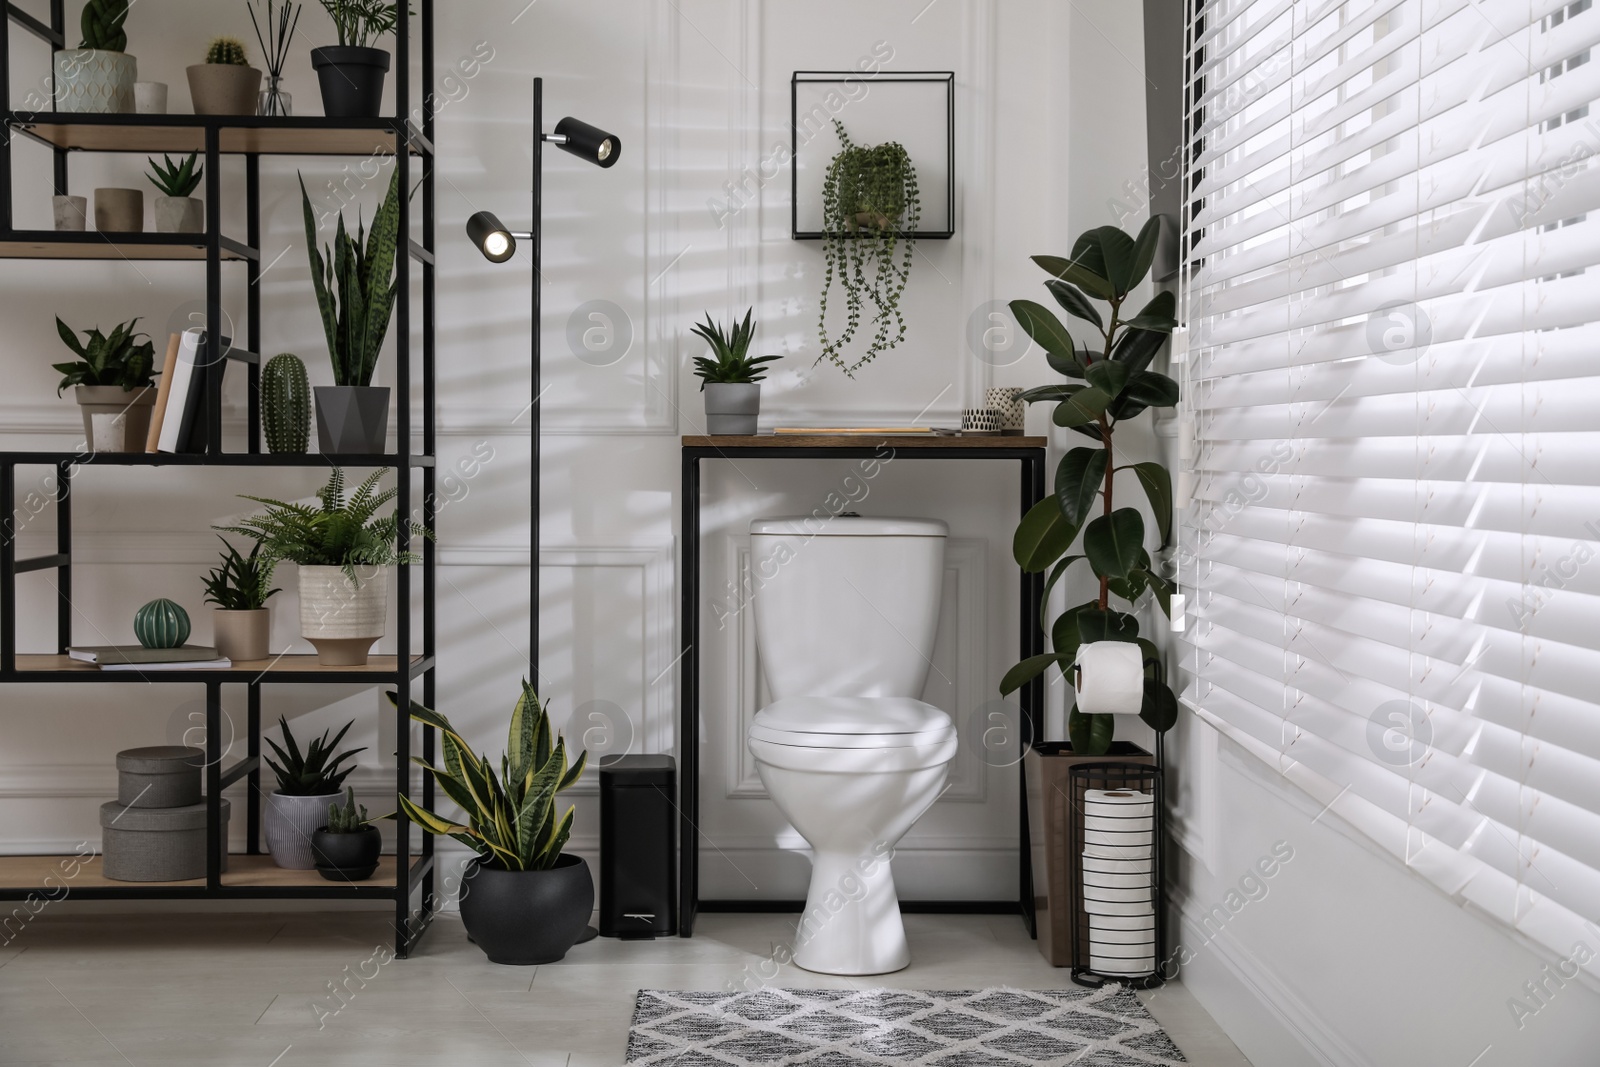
[[851, 924]]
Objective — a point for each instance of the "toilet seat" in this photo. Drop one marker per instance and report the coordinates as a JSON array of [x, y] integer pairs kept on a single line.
[[874, 723]]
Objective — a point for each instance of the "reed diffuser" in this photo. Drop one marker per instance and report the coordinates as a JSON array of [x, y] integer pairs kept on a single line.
[[274, 31]]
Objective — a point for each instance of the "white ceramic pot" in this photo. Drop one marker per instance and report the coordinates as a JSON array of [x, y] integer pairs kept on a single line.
[[180, 214], [119, 210], [288, 822], [150, 98], [72, 213], [115, 419], [343, 619], [93, 80]]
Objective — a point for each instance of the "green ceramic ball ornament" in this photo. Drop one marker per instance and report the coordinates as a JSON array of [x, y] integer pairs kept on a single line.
[[161, 624]]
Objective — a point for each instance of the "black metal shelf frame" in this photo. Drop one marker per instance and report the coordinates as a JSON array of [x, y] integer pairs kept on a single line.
[[415, 869]]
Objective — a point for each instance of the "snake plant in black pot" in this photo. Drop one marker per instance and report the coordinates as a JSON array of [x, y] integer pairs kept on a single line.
[[1107, 382]]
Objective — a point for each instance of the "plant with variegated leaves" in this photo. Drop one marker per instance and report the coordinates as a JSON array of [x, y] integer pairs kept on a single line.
[[511, 817], [1109, 385]]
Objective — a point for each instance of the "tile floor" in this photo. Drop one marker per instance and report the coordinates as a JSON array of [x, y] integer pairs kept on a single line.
[[254, 990]]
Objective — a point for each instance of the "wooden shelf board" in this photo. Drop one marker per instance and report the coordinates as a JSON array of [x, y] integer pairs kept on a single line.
[[840, 440], [186, 133], [22, 244], [240, 672], [243, 872]]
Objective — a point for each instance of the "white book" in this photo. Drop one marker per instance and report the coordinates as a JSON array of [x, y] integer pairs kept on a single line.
[[184, 387], [221, 663]]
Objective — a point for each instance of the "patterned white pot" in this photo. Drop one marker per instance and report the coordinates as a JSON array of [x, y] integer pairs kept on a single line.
[[288, 823], [96, 81], [343, 619], [1007, 402]]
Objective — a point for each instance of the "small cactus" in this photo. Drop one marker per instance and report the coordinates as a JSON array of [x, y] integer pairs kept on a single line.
[[344, 818], [228, 51], [102, 24], [286, 405]]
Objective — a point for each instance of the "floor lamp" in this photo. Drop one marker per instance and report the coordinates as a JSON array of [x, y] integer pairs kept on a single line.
[[498, 244]]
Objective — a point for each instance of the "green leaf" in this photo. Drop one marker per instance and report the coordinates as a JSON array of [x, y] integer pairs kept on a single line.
[[1039, 323], [1130, 588], [1022, 673], [1084, 406], [1163, 590], [1160, 707], [1042, 536], [1108, 625], [1090, 734], [1156, 315], [1113, 248], [1152, 389], [1041, 393], [1078, 306], [1085, 275], [1136, 348], [1158, 488], [1071, 366], [1066, 634], [1144, 249], [1056, 574], [1113, 542], [1106, 376], [71, 339], [1079, 477]]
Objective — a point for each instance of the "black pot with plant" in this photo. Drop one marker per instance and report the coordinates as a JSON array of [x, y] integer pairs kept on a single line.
[[355, 287], [113, 382], [523, 900], [731, 381], [309, 780], [347, 848], [870, 211], [351, 73]]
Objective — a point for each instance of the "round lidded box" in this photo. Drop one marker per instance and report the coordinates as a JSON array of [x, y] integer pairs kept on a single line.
[[163, 776], [157, 844]]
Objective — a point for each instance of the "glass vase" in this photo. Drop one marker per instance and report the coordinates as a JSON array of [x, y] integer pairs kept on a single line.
[[274, 102]]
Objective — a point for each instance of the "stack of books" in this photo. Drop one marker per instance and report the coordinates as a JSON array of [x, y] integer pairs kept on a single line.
[[177, 424], [139, 658]]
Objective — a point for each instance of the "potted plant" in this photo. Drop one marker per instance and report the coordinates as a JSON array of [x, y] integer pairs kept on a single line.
[[113, 382], [343, 550], [307, 783], [238, 588], [731, 381], [347, 848], [98, 75], [176, 210], [355, 289], [351, 74], [286, 405], [1107, 384], [523, 900], [226, 83], [870, 211], [274, 31]]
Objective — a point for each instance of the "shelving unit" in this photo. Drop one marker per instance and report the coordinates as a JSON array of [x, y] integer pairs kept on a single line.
[[406, 876]]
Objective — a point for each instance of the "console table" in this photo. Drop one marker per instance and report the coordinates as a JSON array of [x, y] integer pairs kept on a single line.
[[1028, 452]]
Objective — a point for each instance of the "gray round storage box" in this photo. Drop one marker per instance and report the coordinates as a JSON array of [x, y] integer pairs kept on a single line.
[[166, 776], [157, 844]]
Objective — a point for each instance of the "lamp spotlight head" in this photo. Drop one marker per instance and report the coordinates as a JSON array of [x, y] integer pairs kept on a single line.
[[589, 142], [491, 236]]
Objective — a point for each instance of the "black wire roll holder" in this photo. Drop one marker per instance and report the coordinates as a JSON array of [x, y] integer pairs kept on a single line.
[[1116, 778]]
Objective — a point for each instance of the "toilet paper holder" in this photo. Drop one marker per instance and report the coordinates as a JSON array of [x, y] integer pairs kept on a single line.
[[1117, 903]]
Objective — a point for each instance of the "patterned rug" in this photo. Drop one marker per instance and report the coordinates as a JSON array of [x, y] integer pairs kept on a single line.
[[897, 1028]]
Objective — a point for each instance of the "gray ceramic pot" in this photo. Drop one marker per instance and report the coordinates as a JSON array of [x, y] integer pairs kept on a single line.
[[180, 214], [288, 823], [223, 89], [72, 213], [732, 408], [119, 210]]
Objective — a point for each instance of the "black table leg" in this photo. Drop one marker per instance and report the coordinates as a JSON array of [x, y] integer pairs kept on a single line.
[[689, 701], [1030, 643]]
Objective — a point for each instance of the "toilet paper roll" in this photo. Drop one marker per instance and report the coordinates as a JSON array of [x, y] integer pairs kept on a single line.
[[1144, 937], [1122, 952], [1119, 852], [1121, 824], [1115, 895], [1118, 907], [1110, 678], [1102, 865], [1118, 801], [1118, 837], [1102, 880], [1119, 968], [1108, 924]]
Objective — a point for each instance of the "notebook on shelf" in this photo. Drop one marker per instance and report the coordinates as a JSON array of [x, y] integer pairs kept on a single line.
[[139, 658]]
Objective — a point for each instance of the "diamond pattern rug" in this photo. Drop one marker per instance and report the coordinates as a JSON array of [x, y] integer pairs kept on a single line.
[[1105, 1027]]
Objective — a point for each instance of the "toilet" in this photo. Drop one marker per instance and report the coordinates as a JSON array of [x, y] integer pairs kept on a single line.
[[846, 612]]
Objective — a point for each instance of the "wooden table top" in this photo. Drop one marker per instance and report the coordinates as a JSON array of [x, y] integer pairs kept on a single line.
[[778, 442]]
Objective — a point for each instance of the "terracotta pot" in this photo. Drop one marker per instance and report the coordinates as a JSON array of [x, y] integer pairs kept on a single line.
[[180, 214], [119, 210], [343, 619], [223, 89], [115, 419], [243, 636]]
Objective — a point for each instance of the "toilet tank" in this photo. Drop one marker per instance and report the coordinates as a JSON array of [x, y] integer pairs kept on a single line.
[[846, 606]]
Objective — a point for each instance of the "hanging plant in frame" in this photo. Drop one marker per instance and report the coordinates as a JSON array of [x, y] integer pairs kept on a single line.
[[870, 211]]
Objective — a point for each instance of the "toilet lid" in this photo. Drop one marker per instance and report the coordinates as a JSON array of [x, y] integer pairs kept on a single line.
[[851, 722]]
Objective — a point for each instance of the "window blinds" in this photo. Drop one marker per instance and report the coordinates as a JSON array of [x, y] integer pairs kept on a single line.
[[1393, 226]]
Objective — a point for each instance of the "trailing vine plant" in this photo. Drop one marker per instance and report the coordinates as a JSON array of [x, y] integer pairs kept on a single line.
[[870, 211], [1110, 383]]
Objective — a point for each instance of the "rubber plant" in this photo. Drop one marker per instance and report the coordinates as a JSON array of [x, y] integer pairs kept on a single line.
[[512, 821], [1109, 382], [870, 211]]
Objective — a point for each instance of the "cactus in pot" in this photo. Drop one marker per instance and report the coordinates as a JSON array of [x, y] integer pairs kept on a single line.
[[226, 83], [228, 51], [286, 405]]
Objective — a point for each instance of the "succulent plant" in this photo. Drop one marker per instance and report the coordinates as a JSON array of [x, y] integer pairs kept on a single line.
[[240, 584], [345, 818], [115, 360], [102, 23], [176, 179], [286, 405], [314, 772], [732, 366], [228, 51], [355, 285]]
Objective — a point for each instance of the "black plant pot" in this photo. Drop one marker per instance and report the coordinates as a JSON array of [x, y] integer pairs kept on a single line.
[[522, 918], [347, 857], [352, 419], [352, 80]]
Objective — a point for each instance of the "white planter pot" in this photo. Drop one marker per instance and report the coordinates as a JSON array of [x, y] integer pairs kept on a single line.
[[72, 213], [180, 214], [150, 98], [288, 822], [343, 619], [114, 419], [91, 80]]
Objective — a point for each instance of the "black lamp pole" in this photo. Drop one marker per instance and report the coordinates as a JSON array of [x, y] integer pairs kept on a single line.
[[498, 244]]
